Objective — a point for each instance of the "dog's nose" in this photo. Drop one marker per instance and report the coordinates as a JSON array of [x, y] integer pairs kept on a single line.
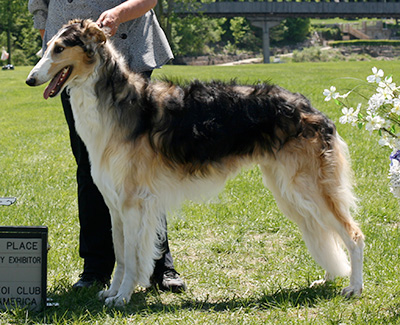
[[31, 81]]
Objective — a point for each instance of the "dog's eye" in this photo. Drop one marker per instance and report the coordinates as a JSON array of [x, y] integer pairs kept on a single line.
[[58, 49]]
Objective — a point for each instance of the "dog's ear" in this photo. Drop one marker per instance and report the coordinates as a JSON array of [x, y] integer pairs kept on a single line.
[[92, 32]]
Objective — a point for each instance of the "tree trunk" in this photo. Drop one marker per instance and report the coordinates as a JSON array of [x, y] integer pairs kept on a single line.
[[9, 22]]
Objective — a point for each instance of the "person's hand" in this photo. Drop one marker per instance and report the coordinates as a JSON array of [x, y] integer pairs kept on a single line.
[[109, 20], [128, 10]]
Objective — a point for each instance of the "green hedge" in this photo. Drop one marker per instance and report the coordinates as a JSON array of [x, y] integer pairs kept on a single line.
[[365, 43]]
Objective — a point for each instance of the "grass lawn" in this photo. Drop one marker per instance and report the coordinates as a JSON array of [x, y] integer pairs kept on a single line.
[[242, 260]]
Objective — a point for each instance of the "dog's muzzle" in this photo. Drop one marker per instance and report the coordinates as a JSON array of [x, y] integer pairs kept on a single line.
[[31, 81]]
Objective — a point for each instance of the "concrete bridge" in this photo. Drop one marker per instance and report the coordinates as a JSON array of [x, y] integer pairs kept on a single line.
[[267, 14]]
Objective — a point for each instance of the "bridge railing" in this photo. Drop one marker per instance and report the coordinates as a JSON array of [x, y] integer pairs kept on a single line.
[[297, 8], [268, 13]]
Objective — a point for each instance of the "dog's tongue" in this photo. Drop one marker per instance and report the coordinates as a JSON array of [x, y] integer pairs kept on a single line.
[[52, 85]]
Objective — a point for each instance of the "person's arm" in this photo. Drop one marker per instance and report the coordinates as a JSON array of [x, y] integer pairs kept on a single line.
[[39, 9], [128, 10]]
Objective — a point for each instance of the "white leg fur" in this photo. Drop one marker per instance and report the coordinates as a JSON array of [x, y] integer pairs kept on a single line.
[[327, 277], [321, 243], [135, 241], [118, 241], [125, 241], [355, 249], [302, 202]]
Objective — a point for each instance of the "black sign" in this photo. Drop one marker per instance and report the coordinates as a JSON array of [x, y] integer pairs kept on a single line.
[[23, 267]]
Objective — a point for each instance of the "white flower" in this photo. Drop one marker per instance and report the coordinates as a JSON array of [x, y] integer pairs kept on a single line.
[[388, 123], [349, 115], [374, 122], [396, 106], [330, 93], [388, 83], [376, 101], [385, 92], [376, 76], [386, 140]]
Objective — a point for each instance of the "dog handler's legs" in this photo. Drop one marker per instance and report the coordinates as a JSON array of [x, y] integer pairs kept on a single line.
[[164, 277]]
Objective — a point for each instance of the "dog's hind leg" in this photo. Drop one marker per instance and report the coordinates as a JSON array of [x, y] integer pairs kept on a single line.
[[338, 195], [354, 241], [320, 242], [315, 192], [325, 246]]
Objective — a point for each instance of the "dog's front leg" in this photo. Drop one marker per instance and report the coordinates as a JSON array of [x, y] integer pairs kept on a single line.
[[126, 237], [118, 241], [140, 238]]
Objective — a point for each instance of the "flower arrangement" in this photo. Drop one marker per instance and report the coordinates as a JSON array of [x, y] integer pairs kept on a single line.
[[380, 114]]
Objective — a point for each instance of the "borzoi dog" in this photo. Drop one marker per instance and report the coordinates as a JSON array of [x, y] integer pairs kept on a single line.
[[155, 144]]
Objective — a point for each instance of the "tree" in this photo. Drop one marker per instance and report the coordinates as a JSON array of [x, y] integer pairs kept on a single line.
[[9, 11], [290, 31], [17, 33], [189, 35], [195, 35], [244, 35], [297, 29]]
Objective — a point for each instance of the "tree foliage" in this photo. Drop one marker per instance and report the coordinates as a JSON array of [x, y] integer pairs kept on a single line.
[[297, 29], [195, 35], [290, 31], [17, 34]]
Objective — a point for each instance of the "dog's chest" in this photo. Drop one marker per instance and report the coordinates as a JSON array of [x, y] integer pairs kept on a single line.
[[96, 134], [89, 123]]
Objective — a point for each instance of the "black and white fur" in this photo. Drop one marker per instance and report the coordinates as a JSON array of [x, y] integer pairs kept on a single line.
[[153, 145]]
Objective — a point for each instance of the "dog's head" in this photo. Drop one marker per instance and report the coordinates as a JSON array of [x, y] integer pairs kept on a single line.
[[71, 54]]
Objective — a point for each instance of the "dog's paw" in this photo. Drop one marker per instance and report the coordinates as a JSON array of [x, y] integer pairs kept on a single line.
[[117, 301], [327, 278], [318, 283], [352, 291], [101, 295], [104, 294]]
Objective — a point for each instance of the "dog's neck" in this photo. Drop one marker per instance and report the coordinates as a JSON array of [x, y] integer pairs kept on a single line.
[[84, 103], [115, 75], [100, 102]]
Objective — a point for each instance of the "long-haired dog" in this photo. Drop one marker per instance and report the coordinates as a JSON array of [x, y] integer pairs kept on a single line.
[[155, 144]]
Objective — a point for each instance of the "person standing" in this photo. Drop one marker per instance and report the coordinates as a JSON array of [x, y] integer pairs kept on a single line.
[[136, 33]]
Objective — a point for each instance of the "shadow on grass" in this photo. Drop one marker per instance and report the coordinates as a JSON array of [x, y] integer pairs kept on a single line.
[[84, 305], [282, 298]]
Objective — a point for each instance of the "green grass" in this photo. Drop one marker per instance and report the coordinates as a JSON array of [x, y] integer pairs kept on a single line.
[[243, 261]]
